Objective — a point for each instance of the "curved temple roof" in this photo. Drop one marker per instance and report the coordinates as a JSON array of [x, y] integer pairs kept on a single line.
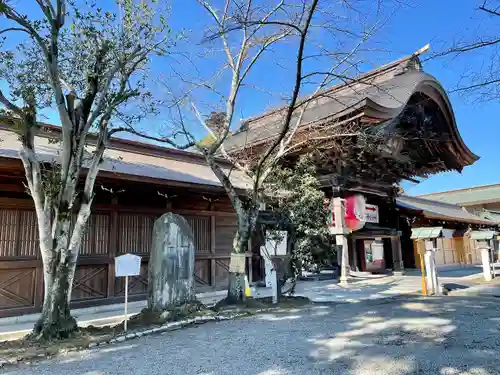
[[376, 96]]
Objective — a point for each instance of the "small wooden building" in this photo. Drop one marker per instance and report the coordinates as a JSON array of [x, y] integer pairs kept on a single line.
[[483, 200], [460, 249], [137, 183]]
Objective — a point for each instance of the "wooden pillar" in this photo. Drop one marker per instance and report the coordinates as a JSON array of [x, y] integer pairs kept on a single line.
[[443, 249], [212, 251], [397, 255], [113, 249], [459, 246], [354, 250]]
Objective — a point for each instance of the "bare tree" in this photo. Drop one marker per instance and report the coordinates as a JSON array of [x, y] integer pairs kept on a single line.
[[249, 33], [481, 81], [89, 66]]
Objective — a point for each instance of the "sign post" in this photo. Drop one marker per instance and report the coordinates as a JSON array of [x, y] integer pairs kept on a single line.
[[126, 305], [125, 266]]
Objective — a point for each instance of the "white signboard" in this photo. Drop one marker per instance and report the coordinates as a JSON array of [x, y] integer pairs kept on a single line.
[[127, 265], [371, 213]]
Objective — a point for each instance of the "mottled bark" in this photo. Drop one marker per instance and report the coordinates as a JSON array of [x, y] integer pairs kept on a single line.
[[59, 245], [246, 224], [56, 193], [236, 286], [56, 321]]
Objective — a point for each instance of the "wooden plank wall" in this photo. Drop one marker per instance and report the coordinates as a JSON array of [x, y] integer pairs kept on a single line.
[[452, 251], [111, 231]]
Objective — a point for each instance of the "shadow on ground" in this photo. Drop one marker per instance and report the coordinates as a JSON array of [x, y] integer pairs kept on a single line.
[[403, 335], [414, 336]]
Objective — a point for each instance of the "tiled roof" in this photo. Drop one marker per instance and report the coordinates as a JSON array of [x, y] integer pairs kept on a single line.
[[490, 215], [391, 95], [482, 234], [441, 211], [171, 167], [469, 196], [426, 232], [378, 96]]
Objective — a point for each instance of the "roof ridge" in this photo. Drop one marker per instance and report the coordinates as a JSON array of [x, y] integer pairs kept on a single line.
[[433, 201], [374, 72], [120, 144], [455, 212], [459, 190]]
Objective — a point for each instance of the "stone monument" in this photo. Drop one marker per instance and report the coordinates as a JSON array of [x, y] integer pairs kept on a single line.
[[171, 264]]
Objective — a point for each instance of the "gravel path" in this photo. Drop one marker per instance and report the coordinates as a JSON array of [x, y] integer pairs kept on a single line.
[[449, 335]]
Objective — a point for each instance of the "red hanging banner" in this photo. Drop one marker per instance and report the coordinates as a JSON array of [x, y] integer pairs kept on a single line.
[[355, 212]]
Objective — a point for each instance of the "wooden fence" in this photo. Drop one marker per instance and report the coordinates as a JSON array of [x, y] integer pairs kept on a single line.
[[109, 233], [451, 251]]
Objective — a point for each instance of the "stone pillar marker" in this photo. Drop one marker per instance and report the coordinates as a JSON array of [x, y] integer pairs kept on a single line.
[[430, 267], [341, 239], [171, 264], [485, 258]]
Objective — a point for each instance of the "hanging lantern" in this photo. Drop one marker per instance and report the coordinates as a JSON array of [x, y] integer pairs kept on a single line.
[[355, 217]]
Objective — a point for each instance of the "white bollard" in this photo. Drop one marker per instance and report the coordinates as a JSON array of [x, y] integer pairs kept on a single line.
[[274, 278], [485, 257], [430, 268]]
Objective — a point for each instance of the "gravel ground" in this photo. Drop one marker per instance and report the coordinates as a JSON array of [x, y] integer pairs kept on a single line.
[[449, 335]]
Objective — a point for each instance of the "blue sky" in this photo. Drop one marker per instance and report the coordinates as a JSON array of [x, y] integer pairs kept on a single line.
[[408, 29], [435, 22], [405, 31]]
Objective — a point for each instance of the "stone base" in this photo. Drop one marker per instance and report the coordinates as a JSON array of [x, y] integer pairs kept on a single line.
[[398, 273]]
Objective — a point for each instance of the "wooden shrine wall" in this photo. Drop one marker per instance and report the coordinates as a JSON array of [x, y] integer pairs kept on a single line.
[[112, 230]]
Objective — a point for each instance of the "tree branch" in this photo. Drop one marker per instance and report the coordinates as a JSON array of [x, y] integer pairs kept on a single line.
[[226, 184], [465, 48], [475, 86], [297, 85], [46, 8], [488, 10], [14, 29], [222, 29], [305, 103], [102, 99], [135, 58], [11, 14], [276, 23], [166, 140], [266, 45]]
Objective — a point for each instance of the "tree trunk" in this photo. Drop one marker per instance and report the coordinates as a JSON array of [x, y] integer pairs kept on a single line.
[[56, 321], [236, 286]]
